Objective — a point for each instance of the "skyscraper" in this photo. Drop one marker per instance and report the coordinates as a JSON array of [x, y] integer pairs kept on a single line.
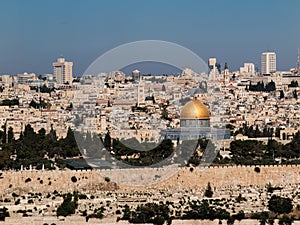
[[268, 62], [62, 71]]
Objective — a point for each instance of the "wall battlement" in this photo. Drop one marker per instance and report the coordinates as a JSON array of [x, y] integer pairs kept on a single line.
[[183, 178]]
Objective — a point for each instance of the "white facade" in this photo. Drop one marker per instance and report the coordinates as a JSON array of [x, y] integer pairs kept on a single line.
[[136, 75], [268, 62], [25, 78], [248, 69], [62, 71], [213, 69]]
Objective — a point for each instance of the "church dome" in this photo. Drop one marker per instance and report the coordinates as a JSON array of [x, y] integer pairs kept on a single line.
[[195, 109]]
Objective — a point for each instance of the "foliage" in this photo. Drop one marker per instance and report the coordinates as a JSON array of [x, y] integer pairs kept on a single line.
[[240, 199], [3, 213], [252, 152], [43, 89], [126, 213], [285, 220], [245, 152], [293, 84], [107, 141], [280, 205], [73, 179], [42, 104], [201, 146], [254, 132], [281, 94], [202, 210], [33, 147], [27, 180], [145, 158], [9, 102], [98, 213], [149, 213], [69, 205], [263, 88], [208, 192], [239, 216], [270, 188], [295, 95]]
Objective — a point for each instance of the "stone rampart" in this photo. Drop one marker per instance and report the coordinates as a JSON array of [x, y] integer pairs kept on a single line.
[[184, 178]]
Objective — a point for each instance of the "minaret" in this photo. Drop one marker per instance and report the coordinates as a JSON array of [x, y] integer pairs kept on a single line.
[[140, 92], [213, 70], [103, 124], [226, 74]]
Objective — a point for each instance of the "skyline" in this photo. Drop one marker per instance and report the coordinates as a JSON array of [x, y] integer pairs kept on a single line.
[[35, 34]]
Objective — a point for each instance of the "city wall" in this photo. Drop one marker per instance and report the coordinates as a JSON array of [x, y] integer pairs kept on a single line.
[[94, 180], [226, 177]]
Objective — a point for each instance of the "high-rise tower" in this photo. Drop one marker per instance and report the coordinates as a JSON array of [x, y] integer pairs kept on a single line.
[[268, 62], [62, 71]]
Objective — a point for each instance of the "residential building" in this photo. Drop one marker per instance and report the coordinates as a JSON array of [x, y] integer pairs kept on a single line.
[[268, 62], [62, 71]]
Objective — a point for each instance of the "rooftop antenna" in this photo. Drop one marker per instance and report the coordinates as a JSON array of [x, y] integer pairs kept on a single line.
[[298, 60], [40, 98]]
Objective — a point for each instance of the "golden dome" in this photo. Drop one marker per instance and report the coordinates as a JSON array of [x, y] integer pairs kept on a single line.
[[195, 109]]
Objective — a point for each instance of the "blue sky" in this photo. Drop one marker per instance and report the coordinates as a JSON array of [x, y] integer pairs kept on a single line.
[[34, 33]]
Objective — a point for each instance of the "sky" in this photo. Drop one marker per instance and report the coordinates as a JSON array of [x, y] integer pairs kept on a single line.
[[34, 33]]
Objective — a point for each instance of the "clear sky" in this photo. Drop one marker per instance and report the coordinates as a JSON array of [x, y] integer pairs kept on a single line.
[[33, 33]]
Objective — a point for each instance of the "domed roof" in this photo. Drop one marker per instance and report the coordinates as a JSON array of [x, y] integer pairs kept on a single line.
[[195, 109]]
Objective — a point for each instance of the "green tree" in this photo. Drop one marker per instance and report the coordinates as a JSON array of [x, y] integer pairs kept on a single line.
[[151, 213], [281, 96], [285, 220], [126, 213], [3, 213], [10, 135], [280, 205], [208, 192], [240, 215], [69, 205], [10, 102], [107, 141], [295, 95]]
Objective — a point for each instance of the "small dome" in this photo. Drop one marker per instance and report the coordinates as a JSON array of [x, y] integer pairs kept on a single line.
[[195, 109]]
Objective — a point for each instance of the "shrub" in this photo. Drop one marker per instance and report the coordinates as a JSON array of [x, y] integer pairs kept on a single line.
[[240, 198], [14, 195], [270, 188], [3, 213], [74, 179], [208, 192], [68, 206], [257, 169], [240, 215], [280, 205], [286, 220], [27, 180]]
